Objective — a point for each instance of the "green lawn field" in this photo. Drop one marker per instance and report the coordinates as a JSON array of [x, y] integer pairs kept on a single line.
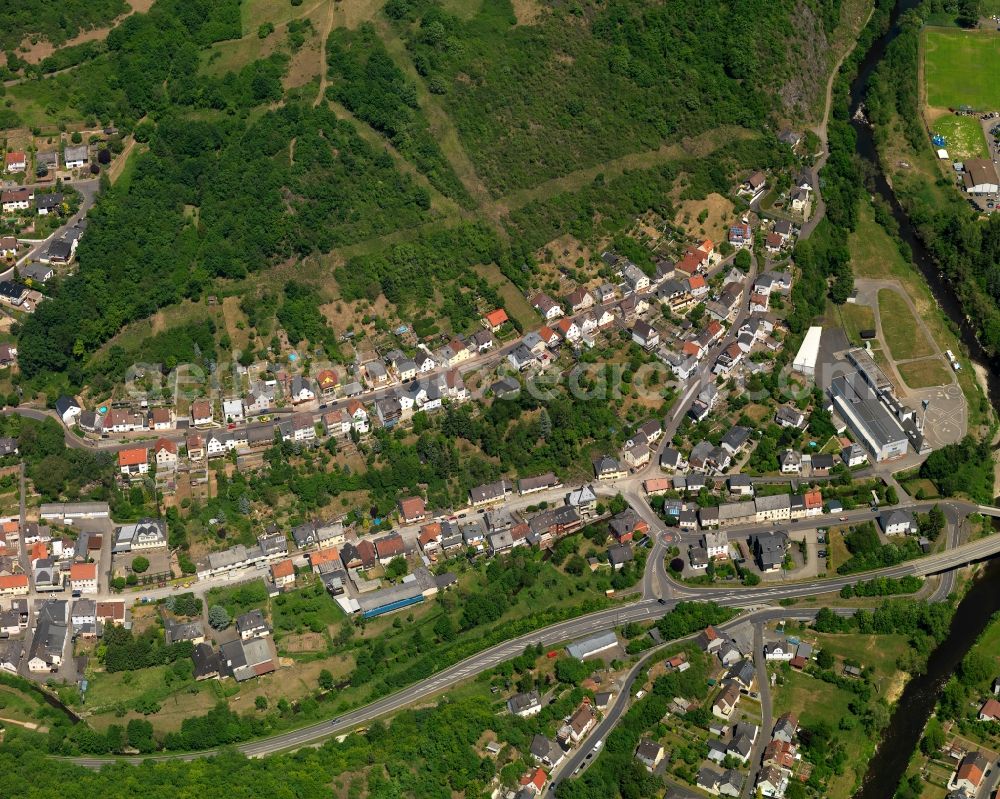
[[963, 136], [960, 68]]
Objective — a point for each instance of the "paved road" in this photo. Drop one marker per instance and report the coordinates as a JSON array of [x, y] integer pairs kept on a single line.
[[88, 189], [642, 610], [767, 723]]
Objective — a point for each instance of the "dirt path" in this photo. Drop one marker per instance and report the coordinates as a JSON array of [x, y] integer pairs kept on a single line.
[[324, 36], [699, 146], [819, 209], [116, 169], [28, 725], [441, 126], [439, 202], [44, 48]]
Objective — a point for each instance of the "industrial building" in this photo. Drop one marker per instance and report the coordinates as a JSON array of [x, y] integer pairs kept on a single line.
[[805, 358], [414, 589], [595, 644], [869, 419]]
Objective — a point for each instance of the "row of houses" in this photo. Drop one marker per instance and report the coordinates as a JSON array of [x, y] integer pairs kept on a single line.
[[26, 199], [74, 156]]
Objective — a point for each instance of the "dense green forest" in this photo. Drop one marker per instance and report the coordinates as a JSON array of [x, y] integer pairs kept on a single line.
[[55, 22], [589, 81], [366, 80], [144, 248], [965, 246]]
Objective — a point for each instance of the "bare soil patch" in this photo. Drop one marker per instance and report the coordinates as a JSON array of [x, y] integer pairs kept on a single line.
[[34, 53]]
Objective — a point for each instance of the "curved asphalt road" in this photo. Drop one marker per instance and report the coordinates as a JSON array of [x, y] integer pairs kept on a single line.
[[642, 610]]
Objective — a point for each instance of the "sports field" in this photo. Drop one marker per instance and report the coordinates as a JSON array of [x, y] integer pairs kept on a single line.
[[961, 68], [963, 135]]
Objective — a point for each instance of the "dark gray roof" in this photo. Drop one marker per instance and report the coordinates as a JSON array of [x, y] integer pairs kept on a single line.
[[206, 661]]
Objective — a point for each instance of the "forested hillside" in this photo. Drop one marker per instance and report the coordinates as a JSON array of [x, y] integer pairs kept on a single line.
[[591, 81], [55, 22], [236, 172]]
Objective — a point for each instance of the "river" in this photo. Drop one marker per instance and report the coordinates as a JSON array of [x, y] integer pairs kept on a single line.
[[920, 695], [942, 289]]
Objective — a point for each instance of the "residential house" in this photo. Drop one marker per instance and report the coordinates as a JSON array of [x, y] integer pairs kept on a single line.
[[735, 439], [636, 454], [546, 306], [133, 462], [741, 235], [790, 416], [790, 462], [489, 493], [83, 578], [580, 299], [68, 409], [645, 335], [525, 705], [389, 547], [283, 573], [772, 782], [542, 482], [75, 156], [627, 525], [608, 468], [716, 545], [359, 416], [412, 510], [48, 203], [990, 710], [897, 522], [201, 413], [495, 320], [569, 330], [853, 455], [785, 728], [13, 200], [244, 660], [672, 460], [302, 389], [619, 555], [725, 703], [637, 279], [580, 723], [165, 453], [769, 549], [968, 777], [15, 161], [195, 445], [649, 753], [546, 751]]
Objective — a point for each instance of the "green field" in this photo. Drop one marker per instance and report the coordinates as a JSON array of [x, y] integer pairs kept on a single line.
[[960, 68], [963, 136], [904, 339], [855, 318], [926, 373]]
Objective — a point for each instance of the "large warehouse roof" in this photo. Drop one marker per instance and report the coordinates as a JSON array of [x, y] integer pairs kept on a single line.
[[805, 358]]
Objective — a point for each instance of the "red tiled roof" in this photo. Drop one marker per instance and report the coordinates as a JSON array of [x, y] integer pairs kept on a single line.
[[324, 556], [497, 317], [283, 568], [537, 779], [166, 444], [133, 457], [327, 378], [83, 571], [429, 532], [13, 581], [412, 507]]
